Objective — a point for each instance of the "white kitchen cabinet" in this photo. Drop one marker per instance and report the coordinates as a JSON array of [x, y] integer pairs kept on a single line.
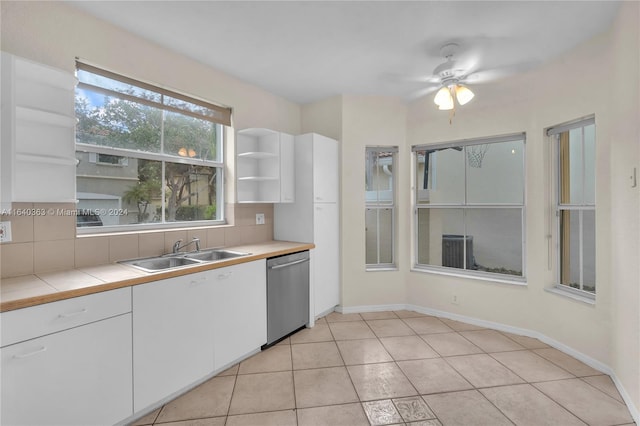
[[264, 166], [314, 216], [173, 336], [240, 311], [38, 132], [326, 257], [325, 168], [80, 375]]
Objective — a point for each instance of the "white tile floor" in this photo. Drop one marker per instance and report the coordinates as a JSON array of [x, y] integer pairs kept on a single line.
[[383, 368]]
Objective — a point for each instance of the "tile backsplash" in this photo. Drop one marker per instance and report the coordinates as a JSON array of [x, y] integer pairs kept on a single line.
[[49, 243]]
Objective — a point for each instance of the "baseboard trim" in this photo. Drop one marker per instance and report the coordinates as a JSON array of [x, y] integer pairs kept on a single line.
[[591, 362], [370, 308]]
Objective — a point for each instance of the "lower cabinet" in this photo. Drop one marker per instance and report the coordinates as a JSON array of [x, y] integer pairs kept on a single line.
[[240, 311], [70, 362], [187, 327], [80, 376], [172, 336]]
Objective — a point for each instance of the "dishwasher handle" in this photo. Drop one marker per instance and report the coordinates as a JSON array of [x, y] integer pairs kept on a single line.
[[284, 265]]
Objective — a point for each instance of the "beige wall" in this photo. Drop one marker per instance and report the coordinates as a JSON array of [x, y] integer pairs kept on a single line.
[[625, 200], [370, 120], [323, 117]]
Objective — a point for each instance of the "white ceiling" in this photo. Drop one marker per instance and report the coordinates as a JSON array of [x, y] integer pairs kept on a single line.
[[309, 50]]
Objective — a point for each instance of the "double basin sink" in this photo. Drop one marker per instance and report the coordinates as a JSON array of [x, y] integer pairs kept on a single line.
[[177, 260]]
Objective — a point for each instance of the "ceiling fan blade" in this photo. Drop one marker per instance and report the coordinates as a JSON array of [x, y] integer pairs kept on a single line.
[[404, 78], [422, 92], [490, 75]]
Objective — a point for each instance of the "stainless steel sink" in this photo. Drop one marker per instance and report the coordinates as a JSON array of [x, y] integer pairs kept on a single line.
[[178, 260], [215, 254], [154, 264]]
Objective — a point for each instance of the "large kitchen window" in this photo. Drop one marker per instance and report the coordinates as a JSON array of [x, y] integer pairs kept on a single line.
[[148, 157], [575, 153], [380, 169], [469, 207]]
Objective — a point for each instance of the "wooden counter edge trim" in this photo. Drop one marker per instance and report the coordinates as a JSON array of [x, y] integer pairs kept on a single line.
[[144, 279]]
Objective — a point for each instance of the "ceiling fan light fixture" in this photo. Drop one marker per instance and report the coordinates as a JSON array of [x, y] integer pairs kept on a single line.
[[447, 104], [444, 98], [463, 94]]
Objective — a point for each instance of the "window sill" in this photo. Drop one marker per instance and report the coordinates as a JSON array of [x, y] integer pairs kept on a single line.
[[492, 279], [571, 295], [386, 268], [91, 231]]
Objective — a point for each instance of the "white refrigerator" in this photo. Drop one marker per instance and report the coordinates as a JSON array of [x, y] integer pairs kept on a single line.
[[314, 217]]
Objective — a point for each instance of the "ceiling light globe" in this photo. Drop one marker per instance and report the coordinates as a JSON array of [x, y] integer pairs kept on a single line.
[[448, 105], [443, 97], [463, 94]]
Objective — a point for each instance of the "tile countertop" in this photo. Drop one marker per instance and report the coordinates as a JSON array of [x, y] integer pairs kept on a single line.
[[31, 290]]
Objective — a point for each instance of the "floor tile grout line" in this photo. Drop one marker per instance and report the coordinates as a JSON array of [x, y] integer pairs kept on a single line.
[[497, 408], [533, 353], [353, 385], [293, 382], [561, 405], [458, 333], [560, 366], [598, 389], [414, 388]]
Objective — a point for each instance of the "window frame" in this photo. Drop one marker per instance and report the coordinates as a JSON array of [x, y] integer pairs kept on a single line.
[[379, 204], [220, 118], [553, 134], [468, 206]]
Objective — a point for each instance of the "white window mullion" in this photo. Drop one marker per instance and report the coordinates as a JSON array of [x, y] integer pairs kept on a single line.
[[376, 181], [581, 245], [163, 194]]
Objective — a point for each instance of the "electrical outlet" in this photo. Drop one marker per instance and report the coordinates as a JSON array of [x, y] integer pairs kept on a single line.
[[259, 218], [454, 299], [5, 232]]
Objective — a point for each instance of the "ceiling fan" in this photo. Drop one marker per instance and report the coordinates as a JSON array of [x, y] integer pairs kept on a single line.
[[451, 80]]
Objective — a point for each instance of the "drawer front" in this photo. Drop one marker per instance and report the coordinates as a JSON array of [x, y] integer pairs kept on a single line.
[[78, 377], [36, 321]]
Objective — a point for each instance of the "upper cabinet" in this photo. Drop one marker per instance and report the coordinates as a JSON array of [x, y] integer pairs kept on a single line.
[[264, 166], [38, 131]]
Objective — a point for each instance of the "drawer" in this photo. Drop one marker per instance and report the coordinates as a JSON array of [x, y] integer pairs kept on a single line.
[[36, 321]]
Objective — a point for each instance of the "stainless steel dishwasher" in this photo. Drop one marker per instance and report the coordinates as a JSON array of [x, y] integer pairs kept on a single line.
[[287, 295]]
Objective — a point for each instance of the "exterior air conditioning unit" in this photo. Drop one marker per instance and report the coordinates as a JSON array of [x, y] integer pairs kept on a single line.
[[453, 251]]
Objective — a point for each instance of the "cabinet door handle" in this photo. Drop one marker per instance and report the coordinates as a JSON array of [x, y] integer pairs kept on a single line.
[[73, 314], [32, 353], [198, 281], [284, 265], [224, 276]]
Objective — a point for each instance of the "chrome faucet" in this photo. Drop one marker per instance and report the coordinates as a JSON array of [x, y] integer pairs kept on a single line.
[[177, 247]]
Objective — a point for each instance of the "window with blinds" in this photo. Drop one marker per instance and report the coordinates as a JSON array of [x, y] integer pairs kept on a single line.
[[148, 156]]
